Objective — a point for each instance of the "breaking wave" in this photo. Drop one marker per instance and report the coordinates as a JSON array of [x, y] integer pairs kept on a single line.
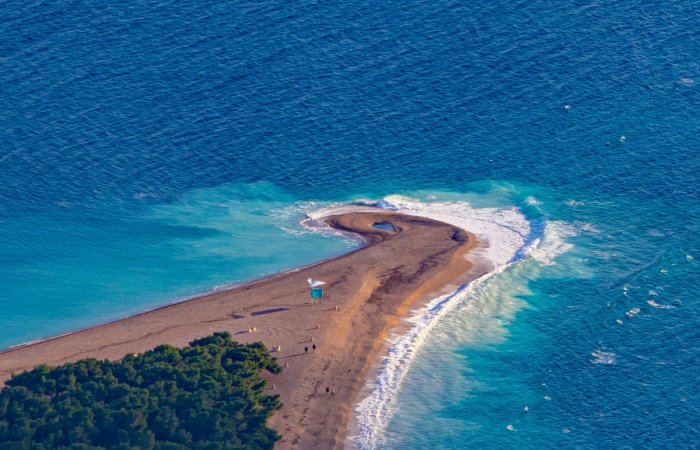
[[505, 236], [603, 357]]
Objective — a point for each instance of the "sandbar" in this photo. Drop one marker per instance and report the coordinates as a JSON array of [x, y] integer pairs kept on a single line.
[[406, 260]]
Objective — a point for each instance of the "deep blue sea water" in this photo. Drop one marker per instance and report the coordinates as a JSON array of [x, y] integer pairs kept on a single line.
[[150, 151]]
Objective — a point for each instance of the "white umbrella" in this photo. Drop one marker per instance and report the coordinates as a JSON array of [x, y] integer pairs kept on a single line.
[[315, 283]]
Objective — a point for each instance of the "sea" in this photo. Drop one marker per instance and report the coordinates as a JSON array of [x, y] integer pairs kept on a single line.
[[151, 151]]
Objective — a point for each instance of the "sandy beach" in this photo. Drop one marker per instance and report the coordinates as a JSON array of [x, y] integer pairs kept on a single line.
[[368, 292]]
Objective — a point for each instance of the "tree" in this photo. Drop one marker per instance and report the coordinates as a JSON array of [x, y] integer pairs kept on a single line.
[[207, 395]]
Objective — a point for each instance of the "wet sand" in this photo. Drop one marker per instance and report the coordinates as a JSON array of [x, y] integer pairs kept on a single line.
[[368, 292]]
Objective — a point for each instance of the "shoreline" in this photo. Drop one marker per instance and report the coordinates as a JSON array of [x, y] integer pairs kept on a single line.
[[436, 303], [185, 299], [371, 291]]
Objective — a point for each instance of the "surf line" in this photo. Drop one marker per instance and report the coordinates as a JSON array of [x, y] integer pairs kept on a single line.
[[507, 237]]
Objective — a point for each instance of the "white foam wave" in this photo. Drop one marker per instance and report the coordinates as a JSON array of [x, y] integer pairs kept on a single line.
[[656, 305], [375, 410], [554, 242], [603, 357], [587, 227], [505, 236], [633, 312]]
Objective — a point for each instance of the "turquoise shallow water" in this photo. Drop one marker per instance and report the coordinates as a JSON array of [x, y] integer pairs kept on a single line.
[[575, 353], [74, 268], [152, 151]]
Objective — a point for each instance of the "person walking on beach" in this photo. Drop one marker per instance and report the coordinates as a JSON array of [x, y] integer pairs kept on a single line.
[[306, 349], [327, 390], [314, 346]]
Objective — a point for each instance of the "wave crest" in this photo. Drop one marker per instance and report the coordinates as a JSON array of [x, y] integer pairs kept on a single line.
[[505, 236]]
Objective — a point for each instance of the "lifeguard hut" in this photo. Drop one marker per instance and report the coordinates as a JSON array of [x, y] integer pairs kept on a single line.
[[316, 288]]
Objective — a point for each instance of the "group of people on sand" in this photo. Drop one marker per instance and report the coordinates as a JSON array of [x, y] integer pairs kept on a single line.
[[306, 349], [313, 347]]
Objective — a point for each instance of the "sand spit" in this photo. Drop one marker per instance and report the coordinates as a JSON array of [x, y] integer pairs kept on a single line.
[[326, 348]]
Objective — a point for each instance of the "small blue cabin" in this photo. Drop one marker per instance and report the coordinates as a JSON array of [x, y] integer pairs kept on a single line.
[[316, 289]]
